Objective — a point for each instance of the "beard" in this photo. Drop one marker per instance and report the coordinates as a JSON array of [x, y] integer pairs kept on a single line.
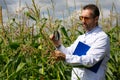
[[88, 27], [85, 26]]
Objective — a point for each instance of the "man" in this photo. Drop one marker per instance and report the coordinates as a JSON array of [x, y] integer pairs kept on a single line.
[[98, 51]]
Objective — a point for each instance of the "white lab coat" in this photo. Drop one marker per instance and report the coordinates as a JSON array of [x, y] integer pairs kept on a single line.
[[100, 49]]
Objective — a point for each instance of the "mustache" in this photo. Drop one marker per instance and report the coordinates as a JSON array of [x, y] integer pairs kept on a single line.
[[83, 24]]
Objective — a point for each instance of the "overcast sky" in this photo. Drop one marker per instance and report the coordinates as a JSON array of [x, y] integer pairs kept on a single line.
[[60, 6]]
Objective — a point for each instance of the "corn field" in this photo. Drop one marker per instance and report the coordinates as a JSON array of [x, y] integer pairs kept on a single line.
[[25, 49]]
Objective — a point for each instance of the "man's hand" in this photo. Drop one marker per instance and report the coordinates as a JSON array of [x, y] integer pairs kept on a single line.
[[57, 55], [56, 42]]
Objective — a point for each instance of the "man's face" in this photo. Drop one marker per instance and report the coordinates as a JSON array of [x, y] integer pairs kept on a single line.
[[87, 19]]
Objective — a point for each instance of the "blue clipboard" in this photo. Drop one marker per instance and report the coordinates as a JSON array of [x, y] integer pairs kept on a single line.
[[82, 49]]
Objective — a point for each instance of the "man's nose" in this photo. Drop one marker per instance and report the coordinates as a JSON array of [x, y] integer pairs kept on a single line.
[[82, 19]]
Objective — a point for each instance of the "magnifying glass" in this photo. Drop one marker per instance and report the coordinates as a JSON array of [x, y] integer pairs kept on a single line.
[[56, 35]]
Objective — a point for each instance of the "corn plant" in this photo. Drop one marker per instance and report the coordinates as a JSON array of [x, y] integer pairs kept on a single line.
[[113, 72]]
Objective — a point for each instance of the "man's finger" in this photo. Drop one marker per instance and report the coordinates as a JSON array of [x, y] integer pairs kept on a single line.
[[51, 37]]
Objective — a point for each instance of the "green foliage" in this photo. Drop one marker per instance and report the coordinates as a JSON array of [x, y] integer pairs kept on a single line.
[[113, 72], [25, 55]]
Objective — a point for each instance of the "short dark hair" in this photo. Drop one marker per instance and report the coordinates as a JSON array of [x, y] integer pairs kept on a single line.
[[94, 8]]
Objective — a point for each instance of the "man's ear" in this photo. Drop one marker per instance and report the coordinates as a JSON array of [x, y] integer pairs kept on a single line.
[[96, 19]]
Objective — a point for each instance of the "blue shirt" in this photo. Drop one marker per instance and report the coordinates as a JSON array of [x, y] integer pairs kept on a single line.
[[99, 49]]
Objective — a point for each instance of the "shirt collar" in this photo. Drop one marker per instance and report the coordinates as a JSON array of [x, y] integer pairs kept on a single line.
[[93, 30]]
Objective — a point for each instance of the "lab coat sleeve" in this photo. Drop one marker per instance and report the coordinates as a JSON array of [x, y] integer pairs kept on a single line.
[[69, 50], [97, 52]]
